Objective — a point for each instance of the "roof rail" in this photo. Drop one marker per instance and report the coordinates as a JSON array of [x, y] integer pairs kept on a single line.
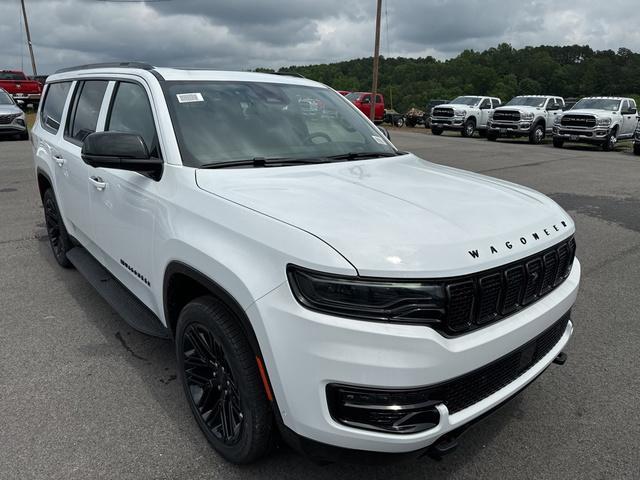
[[289, 74], [140, 65]]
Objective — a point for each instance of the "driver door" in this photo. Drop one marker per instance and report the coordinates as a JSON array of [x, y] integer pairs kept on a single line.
[[485, 108], [629, 118]]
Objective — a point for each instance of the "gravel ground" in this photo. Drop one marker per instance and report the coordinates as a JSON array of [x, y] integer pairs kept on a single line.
[[83, 396]]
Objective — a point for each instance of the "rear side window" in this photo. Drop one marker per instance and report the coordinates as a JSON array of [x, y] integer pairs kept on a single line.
[[495, 102], [378, 99], [131, 113], [54, 99], [86, 109], [486, 103]]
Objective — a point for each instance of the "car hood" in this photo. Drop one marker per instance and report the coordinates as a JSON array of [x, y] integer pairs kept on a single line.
[[400, 216], [596, 113], [9, 109], [519, 108], [454, 105]]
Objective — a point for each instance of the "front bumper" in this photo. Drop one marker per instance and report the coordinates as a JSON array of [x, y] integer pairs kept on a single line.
[[522, 127], [581, 134], [305, 351], [27, 97], [12, 128], [448, 123]]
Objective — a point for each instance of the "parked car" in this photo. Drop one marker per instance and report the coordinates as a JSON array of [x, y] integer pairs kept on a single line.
[[362, 100], [525, 116], [12, 118], [465, 114], [601, 121], [312, 277], [18, 85], [429, 108]]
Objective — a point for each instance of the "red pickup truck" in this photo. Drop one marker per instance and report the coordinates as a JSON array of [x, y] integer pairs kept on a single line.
[[20, 87], [362, 100]]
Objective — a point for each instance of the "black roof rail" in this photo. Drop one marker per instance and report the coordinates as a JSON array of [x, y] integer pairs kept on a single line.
[[290, 74], [140, 65]]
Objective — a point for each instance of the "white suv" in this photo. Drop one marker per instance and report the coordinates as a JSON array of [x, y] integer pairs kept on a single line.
[[314, 279], [465, 114], [597, 120]]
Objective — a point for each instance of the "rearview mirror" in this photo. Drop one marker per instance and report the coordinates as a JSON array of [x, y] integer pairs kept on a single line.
[[123, 151]]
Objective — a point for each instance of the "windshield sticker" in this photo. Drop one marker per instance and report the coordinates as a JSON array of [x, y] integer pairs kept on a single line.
[[378, 139], [189, 97]]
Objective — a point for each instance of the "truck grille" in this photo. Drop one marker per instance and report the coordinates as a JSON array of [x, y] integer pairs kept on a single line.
[[578, 121], [442, 112], [482, 298], [508, 115], [469, 389], [7, 119]]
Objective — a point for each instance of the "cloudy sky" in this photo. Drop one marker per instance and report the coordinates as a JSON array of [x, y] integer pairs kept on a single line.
[[243, 34]]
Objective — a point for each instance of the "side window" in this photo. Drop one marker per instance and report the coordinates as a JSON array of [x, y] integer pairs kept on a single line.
[[53, 104], [625, 106], [366, 99], [86, 109], [632, 104], [496, 103], [378, 99], [131, 112], [486, 103]]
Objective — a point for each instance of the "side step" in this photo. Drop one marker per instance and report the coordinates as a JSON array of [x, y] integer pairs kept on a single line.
[[132, 310]]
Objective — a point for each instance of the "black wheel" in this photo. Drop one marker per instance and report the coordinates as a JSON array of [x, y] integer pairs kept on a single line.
[[636, 148], [400, 122], [482, 133], [222, 382], [411, 123], [436, 130], [558, 142], [611, 140], [492, 136], [24, 135], [58, 236], [536, 135], [468, 128]]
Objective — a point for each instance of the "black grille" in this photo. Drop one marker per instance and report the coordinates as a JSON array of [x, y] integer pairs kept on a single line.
[[578, 121], [482, 298], [7, 119], [442, 112], [509, 115], [464, 391]]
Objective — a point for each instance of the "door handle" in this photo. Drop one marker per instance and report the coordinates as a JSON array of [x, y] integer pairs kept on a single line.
[[98, 183], [59, 160]]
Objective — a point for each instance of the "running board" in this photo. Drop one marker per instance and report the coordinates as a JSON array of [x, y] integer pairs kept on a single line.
[[132, 310]]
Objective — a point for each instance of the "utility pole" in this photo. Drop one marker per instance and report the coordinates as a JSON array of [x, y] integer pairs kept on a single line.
[[376, 58], [26, 28]]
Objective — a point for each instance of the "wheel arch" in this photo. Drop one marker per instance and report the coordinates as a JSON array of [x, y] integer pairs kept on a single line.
[[44, 181], [540, 121]]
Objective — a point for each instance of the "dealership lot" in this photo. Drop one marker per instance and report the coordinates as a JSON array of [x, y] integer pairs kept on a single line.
[[84, 396]]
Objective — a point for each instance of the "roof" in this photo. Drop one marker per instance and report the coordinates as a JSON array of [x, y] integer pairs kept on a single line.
[[177, 74], [611, 98]]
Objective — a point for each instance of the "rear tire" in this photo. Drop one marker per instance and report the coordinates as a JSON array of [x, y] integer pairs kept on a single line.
[[492, 136], [468, 128], [222, 383], [400, 122], [558, 142], [537, 135], [611, 140], [436, 130], [58, 237]]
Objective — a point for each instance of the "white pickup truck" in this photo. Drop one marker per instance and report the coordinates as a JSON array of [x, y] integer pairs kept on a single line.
[[525, 116], [465, 114], [598, 120]]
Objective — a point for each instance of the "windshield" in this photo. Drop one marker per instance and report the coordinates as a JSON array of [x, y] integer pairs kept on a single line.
[[12, 76], [597, 104], [5, 99], [353, 96], [217, 122], [527, 101], [466, 100]]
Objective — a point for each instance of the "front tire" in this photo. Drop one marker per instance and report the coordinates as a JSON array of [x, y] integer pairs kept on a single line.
[[400, 122], [611, 140], [536, 136], [558, 142], [436, 130], [492, 136], [221, 381], [58, 237], [468, 128], [24, 135]]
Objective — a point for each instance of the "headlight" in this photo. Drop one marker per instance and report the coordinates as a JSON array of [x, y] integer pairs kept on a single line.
[[556, 121], [387, 301], [526, 116], [603, 122], [460, 113]]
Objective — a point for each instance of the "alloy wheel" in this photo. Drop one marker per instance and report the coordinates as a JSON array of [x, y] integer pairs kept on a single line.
[[52, 221]]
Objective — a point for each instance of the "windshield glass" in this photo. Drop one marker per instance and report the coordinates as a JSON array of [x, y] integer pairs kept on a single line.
[[466, 100], [597, 104], [5, 99], [11, 76], [217, 122], [353, 96], [527, 101]]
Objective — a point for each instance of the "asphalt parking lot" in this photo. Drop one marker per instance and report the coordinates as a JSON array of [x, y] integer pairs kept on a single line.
[[83, 396]]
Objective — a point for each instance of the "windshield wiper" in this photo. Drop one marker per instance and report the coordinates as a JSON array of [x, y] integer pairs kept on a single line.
[[264, 162], [362, 155]]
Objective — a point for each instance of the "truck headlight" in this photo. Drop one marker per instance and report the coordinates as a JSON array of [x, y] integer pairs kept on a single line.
[[460, 113], [603, 122], [556, 120], [397, 301], [526, 116]]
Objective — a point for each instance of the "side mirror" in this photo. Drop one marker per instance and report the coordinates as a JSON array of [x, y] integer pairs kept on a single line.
[[485, 107], [385, 132], [119, 150], [631, 111]]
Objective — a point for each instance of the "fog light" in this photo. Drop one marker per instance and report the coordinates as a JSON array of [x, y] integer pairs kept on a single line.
[[390, 411], [20, 122]]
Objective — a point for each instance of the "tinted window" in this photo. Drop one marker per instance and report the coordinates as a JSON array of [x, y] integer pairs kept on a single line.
[[51, 113], [12, 76], [131, 112], [485, 103], [378, 99], [87, 109], [496, 103], [5, 98]]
